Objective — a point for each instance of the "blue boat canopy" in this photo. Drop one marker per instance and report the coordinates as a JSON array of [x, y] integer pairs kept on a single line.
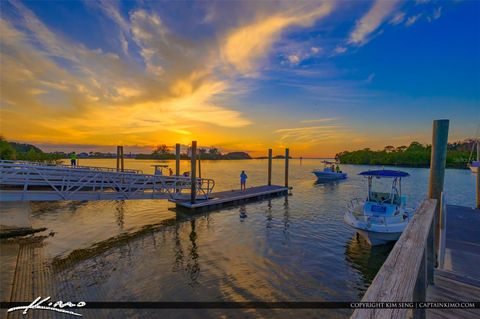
[[385, 173]]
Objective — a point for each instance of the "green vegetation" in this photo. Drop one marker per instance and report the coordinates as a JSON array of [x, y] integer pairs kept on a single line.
[[415, 155], [24, 152], [163, 152]]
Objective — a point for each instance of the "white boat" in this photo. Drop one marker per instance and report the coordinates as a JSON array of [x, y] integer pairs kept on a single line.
[[474, 166], [329, 172], [382, 216]]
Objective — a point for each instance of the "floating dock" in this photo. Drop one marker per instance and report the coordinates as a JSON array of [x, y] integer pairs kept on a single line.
[[234, 197]]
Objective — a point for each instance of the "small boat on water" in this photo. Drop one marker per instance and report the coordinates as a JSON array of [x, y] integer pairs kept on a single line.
[[474, 165], [382, 216], [331, 171]]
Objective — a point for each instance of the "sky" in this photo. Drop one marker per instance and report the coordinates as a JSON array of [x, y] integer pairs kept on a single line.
[[318, 77]]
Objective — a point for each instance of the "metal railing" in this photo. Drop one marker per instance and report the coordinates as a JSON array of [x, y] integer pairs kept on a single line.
[[91, 168], [27, 181]]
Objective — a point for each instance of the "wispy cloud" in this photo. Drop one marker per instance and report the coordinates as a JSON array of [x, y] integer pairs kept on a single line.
[[380, 11], [110, 10], [411, 20], [321, 120], [249, 43], [398, 18], [340, 50], [437, 13], [293, 59]]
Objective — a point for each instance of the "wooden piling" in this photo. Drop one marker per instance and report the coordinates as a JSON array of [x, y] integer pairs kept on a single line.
[[199, 165], [437, 174], [478, 175], [120, 162], [269, 167], [193, 172], [177, 159], [287, 151]]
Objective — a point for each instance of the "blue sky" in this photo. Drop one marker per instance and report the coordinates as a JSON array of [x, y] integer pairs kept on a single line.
[[319, 77]]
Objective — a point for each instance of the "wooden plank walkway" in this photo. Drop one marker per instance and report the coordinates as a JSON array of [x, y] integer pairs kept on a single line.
[[233, 197], [459, 280]]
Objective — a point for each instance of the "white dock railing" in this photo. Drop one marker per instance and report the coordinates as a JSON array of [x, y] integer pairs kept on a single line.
[[22, 181]]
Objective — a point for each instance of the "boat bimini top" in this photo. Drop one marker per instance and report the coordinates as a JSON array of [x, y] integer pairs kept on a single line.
[[384, 173], [394, 197]]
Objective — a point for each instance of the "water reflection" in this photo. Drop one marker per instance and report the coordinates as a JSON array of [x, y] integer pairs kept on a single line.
[[193, 266], [286, 217], [268, 214], [178, 261], [120, 214], [328, 185], [365, 258], [243, 212]]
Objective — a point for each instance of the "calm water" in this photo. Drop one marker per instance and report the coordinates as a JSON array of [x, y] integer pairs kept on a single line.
[[285, 249]]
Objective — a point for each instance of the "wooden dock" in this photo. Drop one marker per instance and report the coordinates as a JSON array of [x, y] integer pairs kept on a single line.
[[408, 274], [459, 278], [234, 197]]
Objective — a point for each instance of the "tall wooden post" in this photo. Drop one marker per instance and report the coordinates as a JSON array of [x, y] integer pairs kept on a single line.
[[478, 174], [199, 165], [269, 167], [193, 172], [177, 159], [120, 163], [118, 158], [435, 187], [286, 166]]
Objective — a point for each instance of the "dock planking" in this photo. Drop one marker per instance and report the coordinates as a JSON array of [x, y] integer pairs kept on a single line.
[[458, 281], [233, 197]]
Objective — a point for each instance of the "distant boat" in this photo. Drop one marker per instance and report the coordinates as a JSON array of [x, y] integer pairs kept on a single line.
[[329, 173], [474, 166], [382, 216]]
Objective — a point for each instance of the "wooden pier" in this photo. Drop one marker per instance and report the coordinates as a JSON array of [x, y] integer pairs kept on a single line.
[[437, 256], [233, 197], [458, 279]]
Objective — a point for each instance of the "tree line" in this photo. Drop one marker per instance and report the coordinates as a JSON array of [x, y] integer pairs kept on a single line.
[[164, 152], [415, 155], [25, 152]]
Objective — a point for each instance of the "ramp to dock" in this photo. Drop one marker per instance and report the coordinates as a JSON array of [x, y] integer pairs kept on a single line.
[[232, 197], [25, 181]]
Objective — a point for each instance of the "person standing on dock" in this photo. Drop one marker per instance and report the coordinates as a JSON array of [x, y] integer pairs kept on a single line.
[[243, 180], [73, 159]]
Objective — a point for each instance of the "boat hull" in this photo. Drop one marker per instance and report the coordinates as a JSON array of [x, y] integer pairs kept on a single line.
[[375, 234], [329, 176], [376, 239], [474, 169]]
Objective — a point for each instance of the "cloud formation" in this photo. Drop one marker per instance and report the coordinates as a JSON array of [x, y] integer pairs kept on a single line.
[[249, 43], [411, 20], [379, 12], [79, 95]]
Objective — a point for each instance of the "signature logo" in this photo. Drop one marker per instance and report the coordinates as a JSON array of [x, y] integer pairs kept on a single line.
[[43, 304]]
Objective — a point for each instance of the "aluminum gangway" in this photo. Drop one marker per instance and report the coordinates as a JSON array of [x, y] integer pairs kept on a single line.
[[30, 181]]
